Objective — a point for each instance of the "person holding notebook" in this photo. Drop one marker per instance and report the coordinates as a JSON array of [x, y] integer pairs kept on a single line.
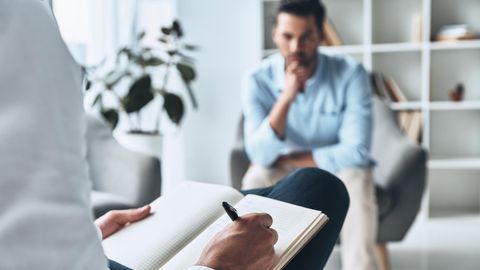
[[46, 220]]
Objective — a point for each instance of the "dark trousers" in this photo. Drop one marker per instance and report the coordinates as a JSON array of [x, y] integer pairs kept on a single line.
[[315, 189], [319, 190]]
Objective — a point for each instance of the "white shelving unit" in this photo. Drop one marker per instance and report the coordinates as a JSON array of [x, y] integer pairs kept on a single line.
[[379, 33]]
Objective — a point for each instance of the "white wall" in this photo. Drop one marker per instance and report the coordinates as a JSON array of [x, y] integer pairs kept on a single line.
[[229, 33]]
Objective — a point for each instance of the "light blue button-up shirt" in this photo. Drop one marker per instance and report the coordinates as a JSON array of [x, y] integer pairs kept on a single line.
[[332, 117]]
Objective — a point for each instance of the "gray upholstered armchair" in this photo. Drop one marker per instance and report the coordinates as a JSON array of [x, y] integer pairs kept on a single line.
[[121, 178], [400, 176]]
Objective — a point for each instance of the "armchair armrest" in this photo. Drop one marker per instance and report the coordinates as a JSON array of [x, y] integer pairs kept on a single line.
[[405, 179], [119, 171], [239, 164]]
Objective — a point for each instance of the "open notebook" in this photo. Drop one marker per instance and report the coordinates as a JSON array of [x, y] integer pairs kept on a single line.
[[183, 222]]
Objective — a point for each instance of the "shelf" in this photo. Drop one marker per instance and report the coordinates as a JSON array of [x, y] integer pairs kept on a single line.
[[455, 164], [384, 35], [450, 105], [436, 106], [347, 49], [403, 106], [392, 20], [404, 68], [396, 47], [451, 67], [455, 45]]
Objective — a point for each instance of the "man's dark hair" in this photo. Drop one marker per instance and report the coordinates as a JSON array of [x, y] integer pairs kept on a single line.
[[303, 8]]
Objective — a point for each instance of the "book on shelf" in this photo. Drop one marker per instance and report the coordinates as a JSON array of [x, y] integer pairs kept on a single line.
[[417, 28], [404, 119], [378, 86], [411, 124], [387, 88], [184, 221], [331, 38], [395, 92], [415, 126], [455, 32]]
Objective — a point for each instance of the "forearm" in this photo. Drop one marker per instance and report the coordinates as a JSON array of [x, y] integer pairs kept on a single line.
[[295, 77], [278, 116], [296, 161], [262, 144], [340, 156], [265, 142], [303, 160]]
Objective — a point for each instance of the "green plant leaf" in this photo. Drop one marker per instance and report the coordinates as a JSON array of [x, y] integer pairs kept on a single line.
[[187, 60], [188, 75], [111, 116], [163, 40], [112, 78], [147, 49], [98, 99], [177, 28], [139, 95], [187, 72], [150, 61], [166, 30], [191, 95], [173, 105], [88, 85], [127, 51], [172, 52], [191, 47], [141, 35]]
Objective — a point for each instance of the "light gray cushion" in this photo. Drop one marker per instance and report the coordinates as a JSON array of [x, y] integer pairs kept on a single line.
[[103, 202]]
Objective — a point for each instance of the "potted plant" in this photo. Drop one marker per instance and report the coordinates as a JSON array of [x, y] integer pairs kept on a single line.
[[123, 89]]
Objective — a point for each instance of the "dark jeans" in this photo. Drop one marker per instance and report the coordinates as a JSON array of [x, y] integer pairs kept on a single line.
[[116, 266], [315, 189]]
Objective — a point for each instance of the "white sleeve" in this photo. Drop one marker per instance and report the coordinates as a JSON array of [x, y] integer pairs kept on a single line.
[[99, 232]]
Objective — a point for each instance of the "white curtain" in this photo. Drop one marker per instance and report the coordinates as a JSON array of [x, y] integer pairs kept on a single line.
[[95, 29], [116, 22]]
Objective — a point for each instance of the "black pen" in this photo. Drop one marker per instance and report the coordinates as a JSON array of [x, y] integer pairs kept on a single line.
[[231, 212]]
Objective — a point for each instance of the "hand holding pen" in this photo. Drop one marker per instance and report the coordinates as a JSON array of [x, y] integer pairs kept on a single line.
[[246, 243]]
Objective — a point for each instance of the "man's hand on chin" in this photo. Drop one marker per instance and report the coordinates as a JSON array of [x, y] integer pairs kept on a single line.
[[115, 220]]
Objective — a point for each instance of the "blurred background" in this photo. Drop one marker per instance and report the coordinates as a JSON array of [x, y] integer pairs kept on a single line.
[[427, 51]]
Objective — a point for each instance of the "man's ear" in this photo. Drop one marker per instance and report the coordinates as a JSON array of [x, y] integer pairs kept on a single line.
[[274, 33]]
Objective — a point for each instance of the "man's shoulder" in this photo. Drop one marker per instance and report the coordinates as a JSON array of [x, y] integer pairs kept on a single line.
[[342, 65], [341, 62], [266, 68]]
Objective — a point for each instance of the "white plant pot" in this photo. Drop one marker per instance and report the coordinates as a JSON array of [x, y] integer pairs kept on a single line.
[[148, 144]]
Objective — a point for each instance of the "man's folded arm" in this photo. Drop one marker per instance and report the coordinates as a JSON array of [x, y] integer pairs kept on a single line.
[[262, 144], [355, 135]]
